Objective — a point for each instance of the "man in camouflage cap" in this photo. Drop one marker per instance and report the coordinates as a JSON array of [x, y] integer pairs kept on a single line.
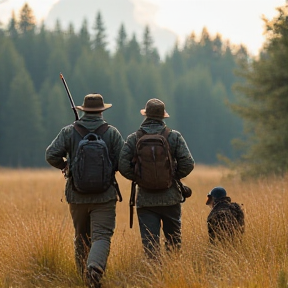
[[154, 207], [226, 219], [93, 214]]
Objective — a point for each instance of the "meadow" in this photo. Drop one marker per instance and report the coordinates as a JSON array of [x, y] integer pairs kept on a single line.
[[36, 236]]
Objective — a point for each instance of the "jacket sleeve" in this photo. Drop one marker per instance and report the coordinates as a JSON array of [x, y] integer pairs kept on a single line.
[[126, 166], [57, 152], [116, 147], [182, 155]]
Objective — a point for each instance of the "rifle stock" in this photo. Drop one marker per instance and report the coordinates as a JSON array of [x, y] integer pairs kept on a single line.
[[70, 97]]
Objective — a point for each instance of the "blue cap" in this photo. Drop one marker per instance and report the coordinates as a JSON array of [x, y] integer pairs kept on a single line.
[[217, 193]]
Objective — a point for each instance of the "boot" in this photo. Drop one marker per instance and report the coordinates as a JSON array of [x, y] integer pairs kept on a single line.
[[94, 275]]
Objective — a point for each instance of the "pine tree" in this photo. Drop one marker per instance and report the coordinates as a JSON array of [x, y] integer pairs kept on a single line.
[[177, 61], [84, 35], [40, 56], [122, 38], [27, 40], [12, 28], [133, 50], [147, 41], [74, 45], [264, 103], [148, 49], [99, 42], [27, 22]]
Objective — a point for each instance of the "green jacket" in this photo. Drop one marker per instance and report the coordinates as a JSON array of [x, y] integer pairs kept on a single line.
[[180, 152], [64, 147]]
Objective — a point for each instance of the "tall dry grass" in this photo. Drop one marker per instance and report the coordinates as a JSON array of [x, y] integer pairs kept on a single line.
[[36, 236]]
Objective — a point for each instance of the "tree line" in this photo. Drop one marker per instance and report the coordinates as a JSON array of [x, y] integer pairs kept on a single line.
[[262, 102], [195, 81]]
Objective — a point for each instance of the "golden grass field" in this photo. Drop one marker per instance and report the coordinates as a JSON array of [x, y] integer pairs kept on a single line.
[[36, 236]]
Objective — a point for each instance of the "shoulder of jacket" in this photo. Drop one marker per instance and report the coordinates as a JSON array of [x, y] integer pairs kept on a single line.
[[173, 137], [68, 128], [131, 140], [236, 206], [112, 128], [132, 136], [174, 133]]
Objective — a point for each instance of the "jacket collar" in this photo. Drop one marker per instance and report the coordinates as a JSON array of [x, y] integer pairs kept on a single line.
[[152, 125]]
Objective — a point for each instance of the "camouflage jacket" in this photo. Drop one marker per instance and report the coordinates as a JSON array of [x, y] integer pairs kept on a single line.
[[180, 153], [64, 147], [225, 219]]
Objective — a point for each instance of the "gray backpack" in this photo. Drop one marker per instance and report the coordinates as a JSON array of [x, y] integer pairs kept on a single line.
[[92, 168]]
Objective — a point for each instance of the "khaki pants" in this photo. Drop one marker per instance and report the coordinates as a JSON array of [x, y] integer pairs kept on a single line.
[[94, 227]]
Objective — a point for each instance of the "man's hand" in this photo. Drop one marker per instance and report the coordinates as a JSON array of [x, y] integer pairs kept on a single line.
[[65, 171]]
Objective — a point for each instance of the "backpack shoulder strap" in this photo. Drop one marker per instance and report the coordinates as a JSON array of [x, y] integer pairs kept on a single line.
[[165, 132], [84, 131], [139, 133], [101, 129], [80, 129]]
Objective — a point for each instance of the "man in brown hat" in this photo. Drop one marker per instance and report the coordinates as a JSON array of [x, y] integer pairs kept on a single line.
[[156, 201], [93, 213]]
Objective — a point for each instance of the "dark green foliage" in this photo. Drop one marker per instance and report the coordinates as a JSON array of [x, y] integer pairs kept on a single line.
[[194, 82], [84, 35], [264, 103], [148, 50], [12, 29], [21, 139], [132, 52], [122, 39], [200, 103], [99, 42]]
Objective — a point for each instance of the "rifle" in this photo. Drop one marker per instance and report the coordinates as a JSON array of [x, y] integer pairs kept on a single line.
[[70, 97], [115, 184], [132, 202]]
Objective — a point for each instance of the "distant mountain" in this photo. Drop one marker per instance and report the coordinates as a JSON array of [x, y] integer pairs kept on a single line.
[[114, 13]]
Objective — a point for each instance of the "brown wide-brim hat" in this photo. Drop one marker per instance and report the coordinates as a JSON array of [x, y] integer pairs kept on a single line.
[[93, 103], [154, 108]]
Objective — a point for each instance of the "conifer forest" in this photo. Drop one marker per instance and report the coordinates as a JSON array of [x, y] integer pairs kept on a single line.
[[214, 91]]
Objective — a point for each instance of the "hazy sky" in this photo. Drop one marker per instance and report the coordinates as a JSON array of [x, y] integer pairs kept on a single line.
[[237, 20]]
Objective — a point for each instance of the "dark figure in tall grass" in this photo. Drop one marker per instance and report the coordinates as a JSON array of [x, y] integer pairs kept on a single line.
[[226, 219]]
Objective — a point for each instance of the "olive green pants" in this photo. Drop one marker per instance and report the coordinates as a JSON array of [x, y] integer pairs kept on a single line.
[[94, 227]]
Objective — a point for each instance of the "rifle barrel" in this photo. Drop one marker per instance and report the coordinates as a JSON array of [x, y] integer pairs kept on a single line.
[[69, 96]]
